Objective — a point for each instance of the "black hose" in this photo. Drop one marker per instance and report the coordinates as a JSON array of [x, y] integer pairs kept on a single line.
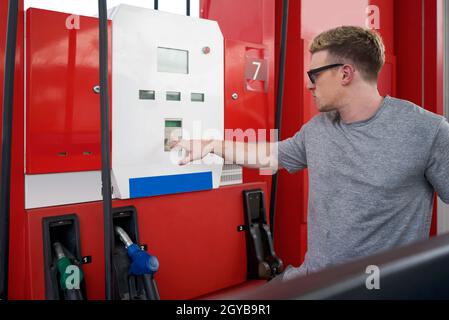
[[8, 99], [105, 149], [73, 294], [150, 287], [279, 102], [188, 8], [156, 5]]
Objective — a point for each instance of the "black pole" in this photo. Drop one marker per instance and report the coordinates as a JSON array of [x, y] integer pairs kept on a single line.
[[156, 5], [188, 8], [279, 102], [105, 150], [8, 99]]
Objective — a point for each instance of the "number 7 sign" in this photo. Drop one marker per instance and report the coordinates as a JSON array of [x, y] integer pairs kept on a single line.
[[256, 74]]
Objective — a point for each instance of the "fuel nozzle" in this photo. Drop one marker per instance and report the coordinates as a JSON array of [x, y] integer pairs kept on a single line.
[[141, 261], [142, 264], [70, 286], [59, 251], [123, 237]]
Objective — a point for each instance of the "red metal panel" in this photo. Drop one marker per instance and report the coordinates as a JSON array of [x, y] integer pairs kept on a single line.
[[303, 232], [440, 78], [251, 109], [408, 33], [248, 35], [291, 197], [431, 73], [439, 81], [63, 113], [386, 20], [194, 235], [246, 22], [246, 116], [320, 15], [387, 77], [440, 57], [17, 251], [430, 56]]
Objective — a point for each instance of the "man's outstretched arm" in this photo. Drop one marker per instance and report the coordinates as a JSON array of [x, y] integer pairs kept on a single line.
[[249, 155]]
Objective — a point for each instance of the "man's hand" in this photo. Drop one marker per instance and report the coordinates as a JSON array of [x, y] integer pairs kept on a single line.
[[195, 149]]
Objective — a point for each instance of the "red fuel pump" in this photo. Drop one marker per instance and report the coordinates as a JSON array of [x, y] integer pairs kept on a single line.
[[55, 124]]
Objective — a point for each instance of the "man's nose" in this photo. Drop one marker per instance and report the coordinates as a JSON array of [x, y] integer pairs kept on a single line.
[[310, 85]]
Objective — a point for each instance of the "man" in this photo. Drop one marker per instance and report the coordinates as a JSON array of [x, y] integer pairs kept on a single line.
[[374, 162]]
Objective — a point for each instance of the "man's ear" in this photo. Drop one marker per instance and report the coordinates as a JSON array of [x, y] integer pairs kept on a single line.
[[347, 72]]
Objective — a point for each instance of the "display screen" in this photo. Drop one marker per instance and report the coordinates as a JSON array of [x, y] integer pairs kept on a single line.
[[197, 97], [172, 60], [147, 95], [173, 96], [173, 130]]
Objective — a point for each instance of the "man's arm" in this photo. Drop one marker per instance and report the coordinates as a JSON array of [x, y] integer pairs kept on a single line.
[[249, 155], [437, 171]]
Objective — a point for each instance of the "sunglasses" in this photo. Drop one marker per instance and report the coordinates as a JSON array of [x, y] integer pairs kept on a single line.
[[314, 72]]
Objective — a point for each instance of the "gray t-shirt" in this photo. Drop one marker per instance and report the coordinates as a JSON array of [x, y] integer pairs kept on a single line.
[[371, 183]]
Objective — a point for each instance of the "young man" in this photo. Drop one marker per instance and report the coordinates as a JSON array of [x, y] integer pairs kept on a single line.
[[374, 162]]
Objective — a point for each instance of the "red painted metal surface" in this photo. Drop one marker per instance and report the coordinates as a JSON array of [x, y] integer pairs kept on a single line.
[[248, 117], [244, 20], [440, 57], [292, 195], [63, 111], [18, 260], [194, 236], [431, 74], [249, 36]]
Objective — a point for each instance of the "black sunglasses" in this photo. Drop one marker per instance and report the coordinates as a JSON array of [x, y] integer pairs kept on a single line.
[[312, 73]]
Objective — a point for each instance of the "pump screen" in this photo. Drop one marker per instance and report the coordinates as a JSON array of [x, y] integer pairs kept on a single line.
[[173, 130], [172, 60]]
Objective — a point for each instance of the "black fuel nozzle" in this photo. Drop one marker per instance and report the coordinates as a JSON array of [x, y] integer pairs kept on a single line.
[[142, 263]]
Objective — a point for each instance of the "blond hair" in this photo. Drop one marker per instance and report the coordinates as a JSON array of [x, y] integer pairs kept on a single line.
[[363, 48]]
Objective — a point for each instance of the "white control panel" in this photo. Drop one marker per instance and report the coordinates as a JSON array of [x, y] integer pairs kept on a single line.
[[168, 83]]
